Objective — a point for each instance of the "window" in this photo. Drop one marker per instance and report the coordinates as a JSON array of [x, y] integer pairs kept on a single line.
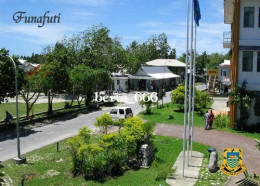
[[247, 65], [129, 111], [121, 111], [258, 62], [259, 18], [257, 105], [249, 20], [113, 111], [224, 73], [118, 82]]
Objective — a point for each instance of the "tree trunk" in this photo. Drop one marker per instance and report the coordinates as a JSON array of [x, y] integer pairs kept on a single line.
[[28, 109]]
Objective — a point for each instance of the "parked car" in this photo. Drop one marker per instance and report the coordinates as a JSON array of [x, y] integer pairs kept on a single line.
[[121, 112]]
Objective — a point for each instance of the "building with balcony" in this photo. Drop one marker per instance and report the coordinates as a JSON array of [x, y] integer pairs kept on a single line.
[[224, 77], [244, 42]]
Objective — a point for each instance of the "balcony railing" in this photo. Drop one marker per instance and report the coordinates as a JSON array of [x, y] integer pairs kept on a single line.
[[227, 43]]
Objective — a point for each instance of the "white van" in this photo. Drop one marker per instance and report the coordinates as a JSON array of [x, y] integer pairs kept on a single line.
[[121, 112]]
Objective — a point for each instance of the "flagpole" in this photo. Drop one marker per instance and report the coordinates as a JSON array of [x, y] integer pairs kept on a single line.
[[193, 98], [186, 81], [190, 78]]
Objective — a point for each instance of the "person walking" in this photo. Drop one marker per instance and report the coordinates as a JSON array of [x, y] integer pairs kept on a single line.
[[211, 118], [206, 119]]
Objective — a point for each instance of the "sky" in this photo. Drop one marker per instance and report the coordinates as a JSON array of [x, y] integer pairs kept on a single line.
[[131, 20]]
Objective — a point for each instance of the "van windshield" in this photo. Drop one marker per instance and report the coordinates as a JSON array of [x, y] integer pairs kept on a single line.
[[113, 111]]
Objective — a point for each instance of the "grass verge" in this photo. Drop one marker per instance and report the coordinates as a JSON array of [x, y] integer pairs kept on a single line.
[[37, 108], [247, 134], [160, 115], [45, 166]]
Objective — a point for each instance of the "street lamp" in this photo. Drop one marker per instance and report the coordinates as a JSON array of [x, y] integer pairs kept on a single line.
[[18, 159]]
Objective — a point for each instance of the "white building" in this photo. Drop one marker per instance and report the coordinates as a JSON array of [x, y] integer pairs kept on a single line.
[[224, 76], [244, 42], [149, 78], [121, 82], [27, 66]]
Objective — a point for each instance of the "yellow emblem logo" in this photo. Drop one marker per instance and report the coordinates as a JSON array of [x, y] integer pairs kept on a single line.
[[232, 164]]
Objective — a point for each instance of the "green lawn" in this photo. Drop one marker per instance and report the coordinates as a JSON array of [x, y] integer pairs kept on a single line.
[[45, 166], [247, 134], [161, 116], [37, 108]]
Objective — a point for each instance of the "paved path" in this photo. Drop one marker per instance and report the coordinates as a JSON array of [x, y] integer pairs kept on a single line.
[[219, 140]]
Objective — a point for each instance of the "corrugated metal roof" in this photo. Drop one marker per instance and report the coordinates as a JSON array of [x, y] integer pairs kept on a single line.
[[166, 62], [147, 72]]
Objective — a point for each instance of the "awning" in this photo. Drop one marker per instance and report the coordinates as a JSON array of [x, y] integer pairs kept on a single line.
[[156, 76]]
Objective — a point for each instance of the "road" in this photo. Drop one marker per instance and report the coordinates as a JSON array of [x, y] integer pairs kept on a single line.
[[34, 138]]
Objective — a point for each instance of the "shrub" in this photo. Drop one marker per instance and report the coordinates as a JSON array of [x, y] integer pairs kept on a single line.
[[204, 99], [103, 122], [201, 98], [222, 121], [202, 111], [177, 96], [147, 102], [1, 175], [116, 151], [112, 154]]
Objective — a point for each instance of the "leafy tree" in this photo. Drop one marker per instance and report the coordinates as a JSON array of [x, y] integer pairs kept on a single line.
[[56, 64], [82, 81], [215, 59], [172, 54], [103, 122], [31, 89], [182, 58], [138, 54], [201, 62], [7, 76], [243, 97], [34, 58], [162, 46], [102, 80]]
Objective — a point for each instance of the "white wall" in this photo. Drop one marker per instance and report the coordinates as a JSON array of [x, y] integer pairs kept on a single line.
[[122, 84], [220, 77], [252, 78], [247, 34]]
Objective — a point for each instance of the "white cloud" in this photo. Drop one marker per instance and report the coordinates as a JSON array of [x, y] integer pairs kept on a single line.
[[218, 7], [80, 15], [48, 34]]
